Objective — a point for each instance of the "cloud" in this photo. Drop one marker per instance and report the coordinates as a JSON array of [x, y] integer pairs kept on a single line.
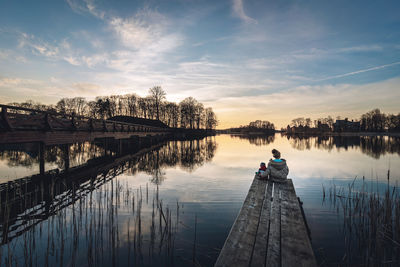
[[362, 48], [359, 71], [147, 33], [38, 46], [141, 40], [238, 10], [280, 107], [87, 88], [72, 60], [7, 82], [3, 55], [85, 6]]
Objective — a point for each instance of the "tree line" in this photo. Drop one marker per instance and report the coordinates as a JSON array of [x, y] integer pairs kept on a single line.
[[308, 122], [258, 126], [376, 121], [371, 121], [189, 113]]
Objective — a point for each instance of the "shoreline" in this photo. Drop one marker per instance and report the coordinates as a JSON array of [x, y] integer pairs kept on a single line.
[[345, 134]]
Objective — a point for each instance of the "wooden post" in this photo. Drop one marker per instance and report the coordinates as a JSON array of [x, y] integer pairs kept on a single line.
[[104, 126], [47, 123], [42, 152], [120, 148], [5, 122], [91, 128], [66, 156], [105, 146], [73, 122]]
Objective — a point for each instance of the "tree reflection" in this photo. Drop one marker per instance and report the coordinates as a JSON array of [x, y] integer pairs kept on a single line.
[[258, 140], [55, 187], [27, 155], [373, 146], [189, 155]]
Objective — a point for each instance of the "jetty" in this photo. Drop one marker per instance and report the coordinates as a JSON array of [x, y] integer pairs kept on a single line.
[[270, 229]]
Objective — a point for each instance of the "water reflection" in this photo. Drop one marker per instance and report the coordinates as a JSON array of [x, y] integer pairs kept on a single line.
[[92, 166], [258, 140], [373, 146], [193, 177], [189, 155]]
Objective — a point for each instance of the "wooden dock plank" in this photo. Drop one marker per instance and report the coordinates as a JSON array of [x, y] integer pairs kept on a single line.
[[274, 238], [238, 247], [268, 231], [260, 248], [296, 246]]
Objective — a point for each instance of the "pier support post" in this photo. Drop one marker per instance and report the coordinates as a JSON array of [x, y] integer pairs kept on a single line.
[[5, 122], [66, 148], [42, 151]]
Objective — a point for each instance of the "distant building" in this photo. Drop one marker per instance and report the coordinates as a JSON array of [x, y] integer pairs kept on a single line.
[[346, 126], [322, 128]]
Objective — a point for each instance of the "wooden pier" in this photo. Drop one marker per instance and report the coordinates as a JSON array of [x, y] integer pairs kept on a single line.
[[270, 229], [23, 125]]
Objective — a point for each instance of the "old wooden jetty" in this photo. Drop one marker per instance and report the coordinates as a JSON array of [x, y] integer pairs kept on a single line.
[[21, 125], [270, 229]]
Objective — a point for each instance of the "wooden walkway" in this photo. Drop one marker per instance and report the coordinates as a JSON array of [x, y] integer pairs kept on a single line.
[[23, 125], [270, 229]]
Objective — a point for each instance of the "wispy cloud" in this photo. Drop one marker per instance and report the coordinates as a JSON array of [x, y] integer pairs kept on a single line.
[[238, 10], [86, 6], [362, 48], [359, 71], [8, 81], [147, 34], [38, 46]]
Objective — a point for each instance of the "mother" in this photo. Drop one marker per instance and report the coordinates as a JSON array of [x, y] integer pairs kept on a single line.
[[277, 168]]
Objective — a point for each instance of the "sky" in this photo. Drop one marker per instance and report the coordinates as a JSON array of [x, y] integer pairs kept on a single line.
[[247, 59]]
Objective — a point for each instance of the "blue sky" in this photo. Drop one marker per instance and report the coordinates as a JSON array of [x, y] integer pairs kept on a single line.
[[248, 59]]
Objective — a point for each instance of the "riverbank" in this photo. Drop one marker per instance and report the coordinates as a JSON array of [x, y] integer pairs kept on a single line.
[[345, 134]]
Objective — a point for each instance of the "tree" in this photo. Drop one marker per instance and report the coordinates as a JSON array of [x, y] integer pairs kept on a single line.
[[157, 94], [171, 117], [210, 119], [373, 121], [188, 112], [199, 114]]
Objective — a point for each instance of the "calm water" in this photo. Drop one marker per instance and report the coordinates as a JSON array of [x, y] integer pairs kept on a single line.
[[175, 205]]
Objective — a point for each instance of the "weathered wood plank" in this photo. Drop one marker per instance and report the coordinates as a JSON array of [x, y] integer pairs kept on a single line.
[[260, 247], [274, 238], [296, 246], [268, 232], [238, 247]]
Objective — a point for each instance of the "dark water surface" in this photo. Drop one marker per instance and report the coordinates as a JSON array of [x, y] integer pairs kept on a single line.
[[175, 204]]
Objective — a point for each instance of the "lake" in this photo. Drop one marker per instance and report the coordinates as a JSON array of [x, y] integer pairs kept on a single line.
[[174, 204]]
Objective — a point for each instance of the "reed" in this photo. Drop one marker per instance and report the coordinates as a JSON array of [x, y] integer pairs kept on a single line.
[[371, 222], [86, 226]]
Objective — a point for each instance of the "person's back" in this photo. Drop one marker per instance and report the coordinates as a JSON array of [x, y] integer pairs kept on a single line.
[[277, 168]]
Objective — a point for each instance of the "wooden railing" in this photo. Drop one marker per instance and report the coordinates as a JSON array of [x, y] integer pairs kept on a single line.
[[19, 118]]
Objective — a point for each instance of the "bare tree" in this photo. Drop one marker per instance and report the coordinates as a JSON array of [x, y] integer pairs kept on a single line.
[[188, 112], [158, 95], [211, 119]]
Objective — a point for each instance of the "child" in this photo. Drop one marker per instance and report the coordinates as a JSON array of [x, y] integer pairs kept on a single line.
[[262, 169]]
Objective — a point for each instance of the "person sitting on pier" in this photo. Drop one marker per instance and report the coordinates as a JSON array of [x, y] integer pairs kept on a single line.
[[262, 169], [277, 169]]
